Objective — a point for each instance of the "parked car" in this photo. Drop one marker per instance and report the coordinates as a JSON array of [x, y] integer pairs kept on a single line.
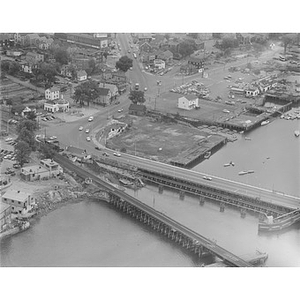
[[120, 110], [105, 154], [117, 154], [16, 166], [90, 119], [88, 138], [87, 131], [80, 128]]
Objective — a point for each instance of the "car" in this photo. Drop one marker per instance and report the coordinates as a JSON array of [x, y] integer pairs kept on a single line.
[[80, 128], [207, 178], [120, 110], [8, 139], [105, 154], [87, 131], [97, 148], [117, 154], [16, 166], [53, 137], [130, 68], [88, 138], [90, 119], [129, 51], [145, 89]]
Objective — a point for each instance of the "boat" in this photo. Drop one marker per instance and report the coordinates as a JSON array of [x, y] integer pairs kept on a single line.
[[227, 165], [243, 173], [250, 171], [279, 223], [297, 133], [247, 139], [232, 163], [207, 155], [264, 122]]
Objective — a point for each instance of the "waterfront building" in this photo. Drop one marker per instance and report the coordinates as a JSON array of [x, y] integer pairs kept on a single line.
[[5, 216], [20, 202]]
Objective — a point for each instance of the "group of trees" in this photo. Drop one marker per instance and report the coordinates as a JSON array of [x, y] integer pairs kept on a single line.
[[10, 67], [86, 92], [137, 97], [45, 72]]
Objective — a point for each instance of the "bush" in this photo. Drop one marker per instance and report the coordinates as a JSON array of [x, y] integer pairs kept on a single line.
[[123, 150]]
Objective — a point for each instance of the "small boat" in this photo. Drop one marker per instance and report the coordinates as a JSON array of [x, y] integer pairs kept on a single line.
[[264, 122], [247, 139], [297, 133], [243, 173], [227, 165], [207, 155], [250, 171], [232, 163]]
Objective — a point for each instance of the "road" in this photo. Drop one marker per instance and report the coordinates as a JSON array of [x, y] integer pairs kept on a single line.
[[214, 248]]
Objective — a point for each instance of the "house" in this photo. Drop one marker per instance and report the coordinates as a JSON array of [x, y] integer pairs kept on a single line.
[[66, 70], [251, 92], [20, 202], [159, 63], [112, 87], [34, 58], [27, 110], [144, 37], [52, 93], [145, 47], [173, 45], [81, 75], [31, 39], [197, 62], [5, 216], [167, 56], [119, 76], [26, 67], [188, 102], [45, 170], [104, 96], [136, 109], [55, 106]]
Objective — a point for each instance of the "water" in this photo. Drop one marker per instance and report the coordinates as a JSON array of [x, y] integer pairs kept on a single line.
[[91, 233]]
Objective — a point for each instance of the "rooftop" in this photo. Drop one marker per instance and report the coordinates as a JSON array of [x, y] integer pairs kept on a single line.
[[16, 195], [133, 106], [33, 169], [188, 97]]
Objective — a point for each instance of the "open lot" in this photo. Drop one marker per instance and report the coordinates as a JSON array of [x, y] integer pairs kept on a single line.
[[161, 141]]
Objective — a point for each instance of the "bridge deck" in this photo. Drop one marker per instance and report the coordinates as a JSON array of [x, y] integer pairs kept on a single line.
[[217, 250]]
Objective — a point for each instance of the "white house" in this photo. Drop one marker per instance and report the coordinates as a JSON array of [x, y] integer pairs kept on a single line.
[[81, 75], [159, 63], [188, 102], [252, 92], [112, 87], [52, 93], [19, 201]]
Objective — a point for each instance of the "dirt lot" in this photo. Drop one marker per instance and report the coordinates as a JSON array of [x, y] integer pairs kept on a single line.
[[159, 140]]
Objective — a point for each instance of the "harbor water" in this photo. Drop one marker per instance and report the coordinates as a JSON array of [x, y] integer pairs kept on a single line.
[[92, 233]]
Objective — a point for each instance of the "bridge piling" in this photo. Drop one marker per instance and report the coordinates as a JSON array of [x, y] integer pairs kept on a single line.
[[222, 207], [181, 195], [160, 189]]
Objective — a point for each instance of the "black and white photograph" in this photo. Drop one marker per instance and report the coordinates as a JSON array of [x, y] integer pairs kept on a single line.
[[150, 148]]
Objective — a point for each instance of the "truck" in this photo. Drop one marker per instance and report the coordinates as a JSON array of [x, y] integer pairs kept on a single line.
[[137, 86]]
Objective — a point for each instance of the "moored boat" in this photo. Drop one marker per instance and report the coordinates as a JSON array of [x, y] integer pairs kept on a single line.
[[243, 173], [264, 122], [250, 171], [207, 155], [297, 133], [227, 165]]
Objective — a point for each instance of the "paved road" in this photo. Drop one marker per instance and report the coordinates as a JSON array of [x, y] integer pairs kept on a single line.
[[219, 251]]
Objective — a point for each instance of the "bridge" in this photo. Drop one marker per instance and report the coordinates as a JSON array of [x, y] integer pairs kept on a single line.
[[175, 231]]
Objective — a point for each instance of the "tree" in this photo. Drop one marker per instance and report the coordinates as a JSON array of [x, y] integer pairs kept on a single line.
[[5, 66], [27, 136], [46, 151], [30, 125], [86, 92], [13, 68], [124, 63], [137, 97], [31, 116], [186, 48], [48, 71], [17, 108], [23, 151], [288, 39], [61, 55]]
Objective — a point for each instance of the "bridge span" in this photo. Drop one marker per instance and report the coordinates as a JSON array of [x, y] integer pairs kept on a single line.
[[177, 232]]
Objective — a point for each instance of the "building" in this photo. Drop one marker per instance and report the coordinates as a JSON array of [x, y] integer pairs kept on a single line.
[[188, 102], [20, 202], [251, 92], [197, 62], [81, 75], [118, 76], [26, 67], [45, 170], [5, 216], [34, 58], [112, 87], [52, 93], [167, 56], [159, 63], [55, 106], [104, 96], [95, 41], [145, 47], [67, 70], [136, 109]]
